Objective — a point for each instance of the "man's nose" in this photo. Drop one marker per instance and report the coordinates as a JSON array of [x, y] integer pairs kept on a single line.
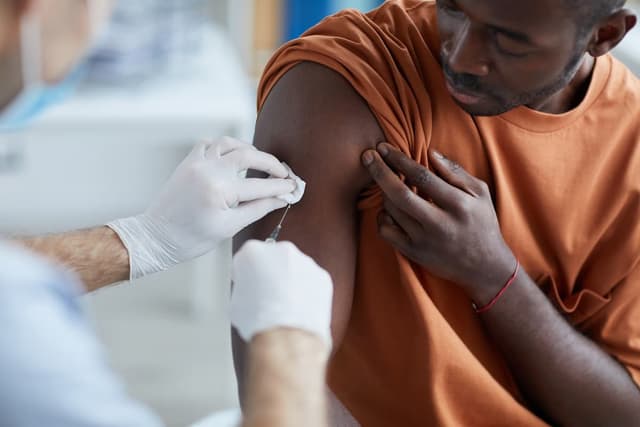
[[468, 52]]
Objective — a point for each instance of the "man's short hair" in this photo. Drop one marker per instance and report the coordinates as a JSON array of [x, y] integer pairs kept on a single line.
[[589, 12]]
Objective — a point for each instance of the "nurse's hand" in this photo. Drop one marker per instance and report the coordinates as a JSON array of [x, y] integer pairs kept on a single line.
[[275, 285], [206, 201]]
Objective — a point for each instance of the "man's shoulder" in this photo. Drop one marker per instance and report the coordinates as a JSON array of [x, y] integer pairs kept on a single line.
[[314, 119], [382, 57], [418, 12], [392, 18], [399, 36], [623, 87]]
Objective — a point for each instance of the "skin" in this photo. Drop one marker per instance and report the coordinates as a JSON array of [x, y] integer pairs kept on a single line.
[[525, 326], [287, 366], [508, 54], [549, 73], [324, 224], [97, 256], [291, 393]]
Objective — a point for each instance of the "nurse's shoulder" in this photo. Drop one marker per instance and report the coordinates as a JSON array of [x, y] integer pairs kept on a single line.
[[24, 273]]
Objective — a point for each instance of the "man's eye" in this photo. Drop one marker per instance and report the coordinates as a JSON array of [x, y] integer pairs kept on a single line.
[[509, 47], [449, 6], [514, 54]]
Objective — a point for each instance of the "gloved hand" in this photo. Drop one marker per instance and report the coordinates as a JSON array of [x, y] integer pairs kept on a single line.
[[206, 201], [276, 285]]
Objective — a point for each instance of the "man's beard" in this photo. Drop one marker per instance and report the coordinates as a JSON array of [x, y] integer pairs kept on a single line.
[[473, 84]]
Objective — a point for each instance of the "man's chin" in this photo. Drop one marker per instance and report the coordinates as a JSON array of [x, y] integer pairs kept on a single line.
[[483, 109]]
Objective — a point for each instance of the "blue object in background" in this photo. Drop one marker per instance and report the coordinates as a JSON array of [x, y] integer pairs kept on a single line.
[[304, 14]]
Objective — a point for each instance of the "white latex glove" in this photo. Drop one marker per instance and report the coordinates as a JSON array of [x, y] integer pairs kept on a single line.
[[206, 201], [276, 285]]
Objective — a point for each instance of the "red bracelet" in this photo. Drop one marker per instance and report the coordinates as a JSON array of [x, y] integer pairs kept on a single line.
[[499, 295]]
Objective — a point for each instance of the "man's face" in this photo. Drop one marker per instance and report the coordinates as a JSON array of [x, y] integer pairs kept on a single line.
[[501, 54]]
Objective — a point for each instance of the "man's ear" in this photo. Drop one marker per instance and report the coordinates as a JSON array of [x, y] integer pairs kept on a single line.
[[611, 31]]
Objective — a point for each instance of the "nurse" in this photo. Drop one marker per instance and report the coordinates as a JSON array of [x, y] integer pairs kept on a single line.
[[52, 370]]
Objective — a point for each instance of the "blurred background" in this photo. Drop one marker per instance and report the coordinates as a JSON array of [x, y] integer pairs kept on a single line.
[[166, 73]]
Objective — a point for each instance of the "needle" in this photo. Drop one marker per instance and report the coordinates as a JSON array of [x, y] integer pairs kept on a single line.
[[276, 231]]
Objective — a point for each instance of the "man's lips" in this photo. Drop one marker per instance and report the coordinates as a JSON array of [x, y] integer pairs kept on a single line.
[[462, 96]]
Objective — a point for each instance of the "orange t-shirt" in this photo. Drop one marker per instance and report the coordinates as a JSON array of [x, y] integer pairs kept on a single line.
[[567, 194]]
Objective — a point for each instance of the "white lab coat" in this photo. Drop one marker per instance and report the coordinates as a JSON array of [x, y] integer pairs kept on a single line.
[[52, 369]]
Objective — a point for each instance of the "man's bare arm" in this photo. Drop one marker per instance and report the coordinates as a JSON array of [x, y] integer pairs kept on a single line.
[[316, 122], [286, 380], [96, 255]]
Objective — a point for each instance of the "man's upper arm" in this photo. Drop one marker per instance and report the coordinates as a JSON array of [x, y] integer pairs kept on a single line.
[[316, 122]]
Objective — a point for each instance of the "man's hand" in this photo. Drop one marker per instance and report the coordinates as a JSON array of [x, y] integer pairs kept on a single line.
[[206, 201], [449, 227]]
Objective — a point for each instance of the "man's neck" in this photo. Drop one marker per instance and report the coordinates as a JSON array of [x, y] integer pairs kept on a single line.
[[572, 95]]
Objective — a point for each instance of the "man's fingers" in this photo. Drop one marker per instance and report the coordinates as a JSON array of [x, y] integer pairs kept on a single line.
[[404, 220], [429, 184], [455, 174], [243, 159], [250, 212], [251, 189], [393, 234], [393, 187]]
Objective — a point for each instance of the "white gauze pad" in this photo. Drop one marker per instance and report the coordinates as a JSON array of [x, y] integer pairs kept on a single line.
[[296, 195]]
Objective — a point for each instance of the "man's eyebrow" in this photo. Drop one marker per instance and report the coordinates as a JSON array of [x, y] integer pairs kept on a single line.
[[521, 37]]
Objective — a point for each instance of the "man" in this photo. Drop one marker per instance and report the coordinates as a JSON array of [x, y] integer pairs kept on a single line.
[[544, 125], [52, 370]]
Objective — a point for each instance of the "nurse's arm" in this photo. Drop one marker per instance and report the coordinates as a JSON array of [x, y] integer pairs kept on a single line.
[[286, 380], [96, 255]]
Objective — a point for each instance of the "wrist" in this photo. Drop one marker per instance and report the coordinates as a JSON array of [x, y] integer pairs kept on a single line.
[[286, 379], [147, 252], [121, 260], [492, 280], [262, 322], [297, 343]]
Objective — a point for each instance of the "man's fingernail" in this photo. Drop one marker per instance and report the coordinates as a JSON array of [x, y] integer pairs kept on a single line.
[[367, 157], [383, 149], [438, 155]]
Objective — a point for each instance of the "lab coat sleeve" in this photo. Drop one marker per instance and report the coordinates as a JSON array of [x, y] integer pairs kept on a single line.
[[52, 369]]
